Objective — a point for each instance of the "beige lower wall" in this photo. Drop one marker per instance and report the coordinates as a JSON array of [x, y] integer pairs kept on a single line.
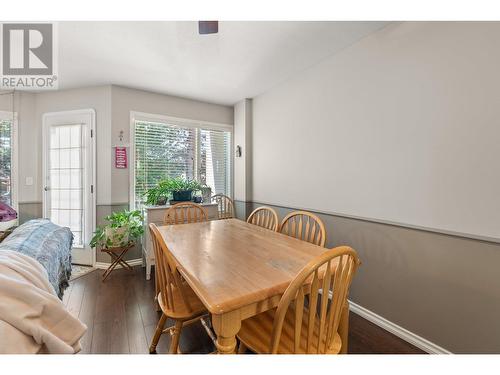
[[443, 288], [33, 210], [437, 286], [242, 209], [29, 210]]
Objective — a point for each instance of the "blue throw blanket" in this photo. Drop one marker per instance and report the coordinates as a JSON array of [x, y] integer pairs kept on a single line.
[[49, 244]]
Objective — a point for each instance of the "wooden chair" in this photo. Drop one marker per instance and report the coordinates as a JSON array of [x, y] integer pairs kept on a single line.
[[184, 213], [264, 217], [295, 327], [225, 206], [175, 298], [305, 226]]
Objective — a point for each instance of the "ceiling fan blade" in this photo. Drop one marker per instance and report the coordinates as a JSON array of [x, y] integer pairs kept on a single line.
[[208, 27]]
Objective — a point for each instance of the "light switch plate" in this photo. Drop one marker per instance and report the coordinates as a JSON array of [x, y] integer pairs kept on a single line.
[[29, 181]]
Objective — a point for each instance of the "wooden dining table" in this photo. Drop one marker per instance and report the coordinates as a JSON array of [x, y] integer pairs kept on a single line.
[[239, 270]]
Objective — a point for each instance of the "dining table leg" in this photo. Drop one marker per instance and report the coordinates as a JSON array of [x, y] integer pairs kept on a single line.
[[344, 328], [226, 327]]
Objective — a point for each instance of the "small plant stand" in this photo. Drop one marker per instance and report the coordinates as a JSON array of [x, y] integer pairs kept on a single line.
[[116, 254]]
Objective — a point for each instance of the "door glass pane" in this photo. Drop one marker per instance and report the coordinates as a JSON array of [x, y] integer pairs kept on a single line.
[[66, 179], [5, 162]]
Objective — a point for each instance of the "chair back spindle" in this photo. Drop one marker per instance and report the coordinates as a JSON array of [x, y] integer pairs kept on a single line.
[[326, 279], [225, 206], [305, 226], [264, 217], [184, 213], [166, 273]]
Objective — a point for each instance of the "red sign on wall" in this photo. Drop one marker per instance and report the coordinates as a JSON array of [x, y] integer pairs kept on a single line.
[[121, 157]]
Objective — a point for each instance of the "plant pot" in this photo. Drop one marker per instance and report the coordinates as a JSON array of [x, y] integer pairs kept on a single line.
[[182, 195], [161, 201], [116, 237], [206, 193]]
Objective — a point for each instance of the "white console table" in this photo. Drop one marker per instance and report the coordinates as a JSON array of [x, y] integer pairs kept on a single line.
[[155, 214]]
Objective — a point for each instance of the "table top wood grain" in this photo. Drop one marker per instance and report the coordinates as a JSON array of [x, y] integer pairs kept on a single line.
[[230, 263]]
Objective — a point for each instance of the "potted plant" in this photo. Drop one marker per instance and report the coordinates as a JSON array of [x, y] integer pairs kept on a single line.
[[123, 228], [182, 189], [179, 188], [206, 193], [158, 195]]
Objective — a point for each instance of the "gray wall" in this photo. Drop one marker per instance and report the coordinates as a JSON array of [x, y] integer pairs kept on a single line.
[[124, 100], [443, 288], [97, 98], [113, 105], [401, 126], [243, 138]]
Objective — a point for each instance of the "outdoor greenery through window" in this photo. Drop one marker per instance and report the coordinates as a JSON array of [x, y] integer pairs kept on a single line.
[[165, 150], [6, 162]]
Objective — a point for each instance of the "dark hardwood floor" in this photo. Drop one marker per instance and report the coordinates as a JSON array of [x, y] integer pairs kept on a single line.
[[121, 318]]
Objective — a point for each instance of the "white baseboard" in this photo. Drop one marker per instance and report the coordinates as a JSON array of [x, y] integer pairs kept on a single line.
[[399, 331], [402, 333], [105, 265]]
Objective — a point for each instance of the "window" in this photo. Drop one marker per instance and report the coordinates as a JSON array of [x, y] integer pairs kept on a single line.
[[171, 149], [7, 159]]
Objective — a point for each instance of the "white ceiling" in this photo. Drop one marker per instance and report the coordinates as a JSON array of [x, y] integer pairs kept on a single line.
[[243, 60]]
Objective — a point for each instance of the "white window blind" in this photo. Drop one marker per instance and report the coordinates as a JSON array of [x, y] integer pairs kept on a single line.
[[167, 150], [6, 162]]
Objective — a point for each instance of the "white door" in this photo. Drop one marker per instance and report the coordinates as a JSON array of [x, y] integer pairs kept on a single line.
[[68, 175]]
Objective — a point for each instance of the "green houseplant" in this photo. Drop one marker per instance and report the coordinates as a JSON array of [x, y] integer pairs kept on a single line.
[[158, 195], [182, 189], [179, 188], [123, 227]]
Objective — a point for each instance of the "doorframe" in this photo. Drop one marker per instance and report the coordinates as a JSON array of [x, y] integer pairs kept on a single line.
[[93, 153], [14, 158]]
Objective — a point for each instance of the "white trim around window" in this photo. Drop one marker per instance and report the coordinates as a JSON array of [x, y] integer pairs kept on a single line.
[[184, 122], [7, 116]]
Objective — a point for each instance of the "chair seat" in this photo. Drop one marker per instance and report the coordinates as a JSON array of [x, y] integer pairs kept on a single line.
[[256, 332], [180, 311]]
